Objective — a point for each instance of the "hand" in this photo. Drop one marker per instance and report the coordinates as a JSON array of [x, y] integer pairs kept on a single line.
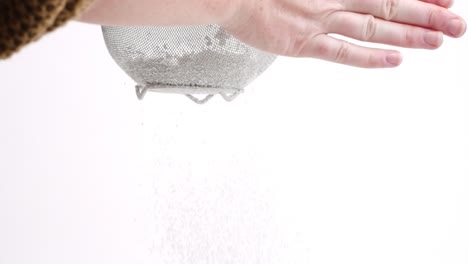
[[300, 28]]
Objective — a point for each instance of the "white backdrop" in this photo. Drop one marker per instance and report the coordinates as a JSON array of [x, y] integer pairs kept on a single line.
[[314, 163]]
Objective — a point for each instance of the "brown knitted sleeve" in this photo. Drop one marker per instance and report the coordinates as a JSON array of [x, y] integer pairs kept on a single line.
[[71, 10], [24, 21]]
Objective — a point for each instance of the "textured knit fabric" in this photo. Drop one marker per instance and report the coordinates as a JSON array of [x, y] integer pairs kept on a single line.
[[24, 21]]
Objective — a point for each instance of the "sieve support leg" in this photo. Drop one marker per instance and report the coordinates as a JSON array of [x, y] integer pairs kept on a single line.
[[200, 101], [141, 91], [230, 97]]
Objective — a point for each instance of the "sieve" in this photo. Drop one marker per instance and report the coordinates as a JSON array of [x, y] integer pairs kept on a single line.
[[197, 61]]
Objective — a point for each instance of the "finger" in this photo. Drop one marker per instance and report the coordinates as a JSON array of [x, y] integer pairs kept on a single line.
[[442, 3], [331, 49], [370, 29], [411, 12]]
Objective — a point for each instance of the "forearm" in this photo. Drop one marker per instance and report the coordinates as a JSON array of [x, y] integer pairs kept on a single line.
[[159, 12]]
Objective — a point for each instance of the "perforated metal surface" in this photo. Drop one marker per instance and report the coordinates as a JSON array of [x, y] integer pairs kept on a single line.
[[190, 60]]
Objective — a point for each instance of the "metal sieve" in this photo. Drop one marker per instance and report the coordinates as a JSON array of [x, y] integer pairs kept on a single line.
[[196, 61]]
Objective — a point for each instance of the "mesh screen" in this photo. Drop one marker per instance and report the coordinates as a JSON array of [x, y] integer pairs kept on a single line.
[[190, 60]]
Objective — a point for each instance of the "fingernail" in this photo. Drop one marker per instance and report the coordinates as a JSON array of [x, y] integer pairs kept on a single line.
[[394, 59], [456, 27], [433, 39]]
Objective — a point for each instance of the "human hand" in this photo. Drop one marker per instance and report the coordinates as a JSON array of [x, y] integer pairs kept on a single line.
[[300, 28]]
